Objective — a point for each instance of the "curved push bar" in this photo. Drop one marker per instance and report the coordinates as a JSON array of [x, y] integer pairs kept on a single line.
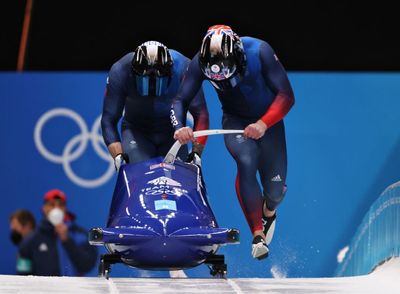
[[171, 155]]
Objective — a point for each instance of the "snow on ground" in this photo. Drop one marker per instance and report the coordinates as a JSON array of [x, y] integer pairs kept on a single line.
[[384, 280]]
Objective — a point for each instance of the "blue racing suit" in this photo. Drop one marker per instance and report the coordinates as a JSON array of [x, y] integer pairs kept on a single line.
[[146, 128], [263, 93]]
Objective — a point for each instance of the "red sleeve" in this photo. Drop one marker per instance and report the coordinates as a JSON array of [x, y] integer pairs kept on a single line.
[[278, 109], [198, 109], [202, 122]]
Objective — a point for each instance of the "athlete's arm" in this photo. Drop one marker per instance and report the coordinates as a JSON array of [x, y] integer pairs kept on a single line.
[[189, 87], [115, 149], [275, 76], [114, 101], [198, 109]]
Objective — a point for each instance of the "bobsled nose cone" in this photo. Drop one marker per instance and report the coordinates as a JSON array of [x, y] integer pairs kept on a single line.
[[96, 236]]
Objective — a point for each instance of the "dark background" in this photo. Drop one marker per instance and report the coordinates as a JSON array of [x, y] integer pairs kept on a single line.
[[307, 35]]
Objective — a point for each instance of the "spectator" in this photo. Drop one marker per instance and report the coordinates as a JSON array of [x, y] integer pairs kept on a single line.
[[59, 247], [22, 224]]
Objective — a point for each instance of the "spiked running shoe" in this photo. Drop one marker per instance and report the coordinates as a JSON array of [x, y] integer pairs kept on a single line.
[[259, 248], [269, 227]]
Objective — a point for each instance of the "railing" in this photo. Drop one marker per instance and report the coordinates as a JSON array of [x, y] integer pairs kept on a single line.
[[377, 238]]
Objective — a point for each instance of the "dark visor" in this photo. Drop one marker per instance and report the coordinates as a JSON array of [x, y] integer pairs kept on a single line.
[[151, 85]]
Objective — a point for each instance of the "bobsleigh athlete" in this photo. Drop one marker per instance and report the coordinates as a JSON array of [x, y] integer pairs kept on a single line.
[[140, 89], [255, 93]]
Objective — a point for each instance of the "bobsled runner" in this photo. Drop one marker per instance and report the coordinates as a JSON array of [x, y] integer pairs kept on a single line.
[[160, 218]]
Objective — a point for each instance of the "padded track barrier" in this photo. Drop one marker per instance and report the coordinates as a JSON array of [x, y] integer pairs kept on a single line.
[[377, 238]]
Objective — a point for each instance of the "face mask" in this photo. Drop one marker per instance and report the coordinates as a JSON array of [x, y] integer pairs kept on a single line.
[[15, 237], [56, 216]]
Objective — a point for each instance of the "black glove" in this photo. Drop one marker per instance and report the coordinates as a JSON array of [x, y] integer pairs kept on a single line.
[[120, 159], [194, 157]]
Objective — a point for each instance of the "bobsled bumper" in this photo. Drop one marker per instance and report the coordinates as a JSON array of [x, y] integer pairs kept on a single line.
[[143, 248], [120, 236], [207, 236], [198, 236]]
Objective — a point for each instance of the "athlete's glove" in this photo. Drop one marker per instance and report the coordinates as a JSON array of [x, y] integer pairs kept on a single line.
[[120, 159], [194, 157]]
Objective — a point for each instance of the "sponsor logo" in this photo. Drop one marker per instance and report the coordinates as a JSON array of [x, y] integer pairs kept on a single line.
[[165, 204], [240, 139], [164, 181], [43, 247], [164, 186], [172, 116], [215, 68], [164, 190], [277, 178], [162, 164]]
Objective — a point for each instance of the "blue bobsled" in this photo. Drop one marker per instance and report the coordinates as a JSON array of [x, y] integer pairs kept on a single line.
[[160, 218]]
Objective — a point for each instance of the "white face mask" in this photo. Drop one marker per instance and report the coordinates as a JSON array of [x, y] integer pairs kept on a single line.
[[55, 216]]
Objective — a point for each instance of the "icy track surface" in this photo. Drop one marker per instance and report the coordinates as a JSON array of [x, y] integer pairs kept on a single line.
[[385, 279]]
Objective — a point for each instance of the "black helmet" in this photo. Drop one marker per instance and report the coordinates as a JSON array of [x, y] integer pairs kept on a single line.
[[222, 57], [152, 64]]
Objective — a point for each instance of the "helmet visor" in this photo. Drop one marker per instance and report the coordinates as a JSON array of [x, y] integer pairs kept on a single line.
[[218, 70], [151, 85]]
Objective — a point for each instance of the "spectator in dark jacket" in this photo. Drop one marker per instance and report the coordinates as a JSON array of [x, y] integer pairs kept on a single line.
[[22, 224], [59, 247]]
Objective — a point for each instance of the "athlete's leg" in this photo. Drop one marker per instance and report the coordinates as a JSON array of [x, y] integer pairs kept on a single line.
[[138, 146], [246, 154], [273, 165]]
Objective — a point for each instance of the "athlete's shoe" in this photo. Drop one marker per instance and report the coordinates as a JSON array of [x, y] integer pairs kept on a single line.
[[259, 248], [269, 227]]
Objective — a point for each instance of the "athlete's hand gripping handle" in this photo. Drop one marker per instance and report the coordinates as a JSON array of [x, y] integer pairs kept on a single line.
[[171, 155], [120, 159], [184, 135]]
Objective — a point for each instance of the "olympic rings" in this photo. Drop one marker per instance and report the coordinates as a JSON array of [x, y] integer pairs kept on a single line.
[[70, 153]]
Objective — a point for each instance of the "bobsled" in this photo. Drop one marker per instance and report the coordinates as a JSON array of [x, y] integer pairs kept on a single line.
[[160, 218]]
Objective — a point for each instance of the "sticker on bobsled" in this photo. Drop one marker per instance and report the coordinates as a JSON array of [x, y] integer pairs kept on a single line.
[[164, 181], [165, 204], [162, 189], [162, 164]]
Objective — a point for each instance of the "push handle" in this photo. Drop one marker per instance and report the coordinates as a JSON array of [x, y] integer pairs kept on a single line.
[[171, 155]]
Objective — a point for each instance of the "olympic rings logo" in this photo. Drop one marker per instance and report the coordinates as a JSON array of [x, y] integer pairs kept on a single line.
[[70, 153]]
